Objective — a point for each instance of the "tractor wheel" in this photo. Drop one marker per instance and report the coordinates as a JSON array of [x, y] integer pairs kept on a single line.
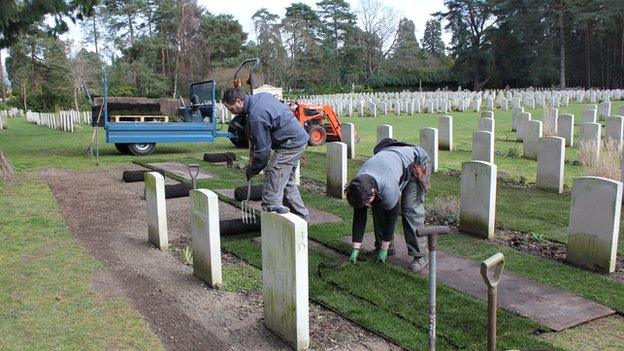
[[123, 148], [317, 135], [141, 149], [237, 127]]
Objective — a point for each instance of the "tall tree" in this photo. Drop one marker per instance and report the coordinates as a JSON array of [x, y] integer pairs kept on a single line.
[[270, 47], [305, 61], [432, 38], [470, 21], [379, 23], [337, 20]]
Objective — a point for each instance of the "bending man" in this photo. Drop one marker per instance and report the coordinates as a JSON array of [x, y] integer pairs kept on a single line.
[[394, 179], [272, 126]]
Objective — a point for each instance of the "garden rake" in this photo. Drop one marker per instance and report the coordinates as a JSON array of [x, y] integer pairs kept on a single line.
[[248, 213]]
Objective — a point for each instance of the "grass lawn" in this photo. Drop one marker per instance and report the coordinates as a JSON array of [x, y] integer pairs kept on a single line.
[[387, 299]]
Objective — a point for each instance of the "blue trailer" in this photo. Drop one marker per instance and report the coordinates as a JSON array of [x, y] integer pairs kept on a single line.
[[197, 122]]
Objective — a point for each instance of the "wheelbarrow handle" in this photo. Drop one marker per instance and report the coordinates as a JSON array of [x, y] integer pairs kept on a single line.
[[492, 269]]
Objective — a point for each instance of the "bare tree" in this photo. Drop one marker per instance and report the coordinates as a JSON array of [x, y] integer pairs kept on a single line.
[[79, 69], [380, 20]]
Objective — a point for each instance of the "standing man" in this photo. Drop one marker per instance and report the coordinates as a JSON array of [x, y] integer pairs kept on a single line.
[[272, 126], [395, 178]]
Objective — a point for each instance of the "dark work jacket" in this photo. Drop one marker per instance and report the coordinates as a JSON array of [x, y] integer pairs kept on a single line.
[[272, 126]]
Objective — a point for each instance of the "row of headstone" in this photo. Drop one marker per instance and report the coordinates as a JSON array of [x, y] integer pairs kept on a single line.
[[223, 114], [409, 103], [284, 256], [6, 114], [62, 120]]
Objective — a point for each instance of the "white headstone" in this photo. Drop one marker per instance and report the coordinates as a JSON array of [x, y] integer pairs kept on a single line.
[[565, 128], [336, 169], [486, 125], [298, 173], [589, 116], [348, 137], [206, 236], [383, 131], [156, 210], [594, 223], [522, 123], [478, 198], [429, 142], [285, 277], [483, 146], [550, 162], [533, 133], [445, 129], [614, 129]]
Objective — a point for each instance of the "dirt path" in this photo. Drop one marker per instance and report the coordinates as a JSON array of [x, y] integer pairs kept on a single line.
[[107, 217]]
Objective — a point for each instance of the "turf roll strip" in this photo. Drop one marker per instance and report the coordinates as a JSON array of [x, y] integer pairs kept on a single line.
[[173, 191], [240, 193], [137, 176], [220, 157], [236, 226]]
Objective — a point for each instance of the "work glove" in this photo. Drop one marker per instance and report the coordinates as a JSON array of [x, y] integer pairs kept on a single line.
[[382, 254], [354, 255]]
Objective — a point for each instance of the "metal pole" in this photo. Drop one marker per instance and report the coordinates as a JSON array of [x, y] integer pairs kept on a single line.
[[433, 266]]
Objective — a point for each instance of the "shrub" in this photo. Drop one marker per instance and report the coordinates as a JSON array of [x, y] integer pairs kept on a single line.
[[443, 210], [510, 153]]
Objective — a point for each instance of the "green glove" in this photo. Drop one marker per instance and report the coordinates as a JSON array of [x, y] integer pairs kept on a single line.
[[382, 254], [354, 255]]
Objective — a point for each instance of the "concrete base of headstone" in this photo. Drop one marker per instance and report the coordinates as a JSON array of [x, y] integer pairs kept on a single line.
[[594, 223], [156, 210], [336, 179], [550, 162], [285, 277], [478, 198], [206, 238]]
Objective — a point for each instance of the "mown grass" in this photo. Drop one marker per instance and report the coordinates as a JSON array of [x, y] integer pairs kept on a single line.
[[30, 147], [46, 302]]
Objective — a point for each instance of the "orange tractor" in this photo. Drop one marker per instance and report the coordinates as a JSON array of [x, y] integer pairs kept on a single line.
[[320, 121]]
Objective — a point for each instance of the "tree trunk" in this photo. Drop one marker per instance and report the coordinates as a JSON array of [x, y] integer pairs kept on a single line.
[[587, 62], [76, 98], [621, 70], [562, 59], [2, 87], [6, 170], [95, 37]]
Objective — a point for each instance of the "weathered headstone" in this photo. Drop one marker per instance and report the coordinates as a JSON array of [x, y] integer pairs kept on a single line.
[[206, 237], [348, 137], [478, 198], [384, 131], [589, 116], [550, 161], [445, 130], [486, 125], [336, 179], [487, 114], [594, 223], [156, 210], [483, 146], [522, 123], [514, 117], [565, 128], [533, 133], [614, 129], [604, 109], [429, 142], [285, 277]]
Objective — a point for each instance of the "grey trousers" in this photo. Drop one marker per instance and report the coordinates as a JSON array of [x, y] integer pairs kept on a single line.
[[413, 218], [279, 184]]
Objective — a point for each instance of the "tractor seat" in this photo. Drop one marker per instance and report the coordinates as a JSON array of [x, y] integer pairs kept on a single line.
[[311, 111]]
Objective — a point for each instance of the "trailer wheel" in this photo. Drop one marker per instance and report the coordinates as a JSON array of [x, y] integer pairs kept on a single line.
[[141, 149], [317, 135], [237, 127], [123, 148]]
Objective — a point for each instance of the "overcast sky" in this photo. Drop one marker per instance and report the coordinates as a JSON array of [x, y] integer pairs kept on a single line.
[[419, 11]]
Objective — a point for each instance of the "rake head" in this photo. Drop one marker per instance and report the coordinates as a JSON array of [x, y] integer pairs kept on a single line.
[[248, 213]]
